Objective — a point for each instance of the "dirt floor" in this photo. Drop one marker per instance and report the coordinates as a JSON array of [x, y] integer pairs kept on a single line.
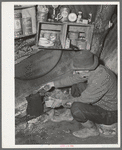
[[42, 130]]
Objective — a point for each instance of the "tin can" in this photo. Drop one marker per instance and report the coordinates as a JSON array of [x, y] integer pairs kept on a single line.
[[27, 26], [81, 44], [42, 16], [17, 24], [64, 11]]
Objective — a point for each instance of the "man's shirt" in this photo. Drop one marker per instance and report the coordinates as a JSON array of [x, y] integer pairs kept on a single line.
[[101, 87]]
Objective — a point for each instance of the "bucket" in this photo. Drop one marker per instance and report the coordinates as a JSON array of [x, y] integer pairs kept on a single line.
[[42, 16]]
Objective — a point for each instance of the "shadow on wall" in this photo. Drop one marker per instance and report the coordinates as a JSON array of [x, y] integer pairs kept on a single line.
[[109, 53]]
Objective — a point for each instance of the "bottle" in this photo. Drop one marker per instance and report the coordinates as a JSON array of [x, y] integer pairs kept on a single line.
[[27, 25], [79, 17], [67, 44], [90, 18]]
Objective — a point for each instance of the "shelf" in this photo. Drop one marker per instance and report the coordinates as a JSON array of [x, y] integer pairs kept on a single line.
[[86, 29], [50, 27], [58, 49], [23, 7], [79, 24], [24, 36]]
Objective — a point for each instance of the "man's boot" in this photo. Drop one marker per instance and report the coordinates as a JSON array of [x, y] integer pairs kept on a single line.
[[90, 129], [107, 130], [65, 116]]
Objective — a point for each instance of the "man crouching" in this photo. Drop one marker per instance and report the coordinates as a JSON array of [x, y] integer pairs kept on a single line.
[[97, 105]]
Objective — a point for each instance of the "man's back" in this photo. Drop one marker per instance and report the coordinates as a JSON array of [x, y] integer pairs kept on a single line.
[[102, 83]]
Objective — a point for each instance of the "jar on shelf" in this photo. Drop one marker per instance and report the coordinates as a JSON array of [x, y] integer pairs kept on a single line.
[[81, 44], [17, 24], [42, 13], [64, 11], [90, 18], [79, 18], [27, 25]]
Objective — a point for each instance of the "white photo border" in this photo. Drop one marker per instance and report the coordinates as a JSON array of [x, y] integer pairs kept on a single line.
[[8, 83]]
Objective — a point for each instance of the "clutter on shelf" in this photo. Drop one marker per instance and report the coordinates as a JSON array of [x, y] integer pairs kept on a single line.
[[48, 38], [23, 48], [42, 13], [50, 34], [64, 15], [79, 35], [24, 21], [62, 29]]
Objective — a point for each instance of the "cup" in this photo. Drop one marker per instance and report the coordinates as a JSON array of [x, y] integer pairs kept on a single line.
[[43, 41]]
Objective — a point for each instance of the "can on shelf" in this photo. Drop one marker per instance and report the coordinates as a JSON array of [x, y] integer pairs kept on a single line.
[[64, 11], [27, 26], [81, 44], [17, 24], [42, 16]]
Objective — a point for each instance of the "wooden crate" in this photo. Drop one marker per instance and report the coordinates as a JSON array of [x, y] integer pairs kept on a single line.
[[64, 28], [50, 27], [80, 27]]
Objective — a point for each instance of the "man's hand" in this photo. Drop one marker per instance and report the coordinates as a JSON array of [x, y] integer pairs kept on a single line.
[[56, 103], [53, 103], [46, 87], [67, 103]]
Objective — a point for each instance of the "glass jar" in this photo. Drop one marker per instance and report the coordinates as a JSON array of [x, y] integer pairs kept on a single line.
[[81, 44], [64, 11]]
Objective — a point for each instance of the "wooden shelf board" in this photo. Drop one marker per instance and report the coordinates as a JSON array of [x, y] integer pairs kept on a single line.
[[23, 36], [23, 7]]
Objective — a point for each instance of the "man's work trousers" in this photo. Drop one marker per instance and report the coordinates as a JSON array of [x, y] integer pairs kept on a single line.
[[83, 112]]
